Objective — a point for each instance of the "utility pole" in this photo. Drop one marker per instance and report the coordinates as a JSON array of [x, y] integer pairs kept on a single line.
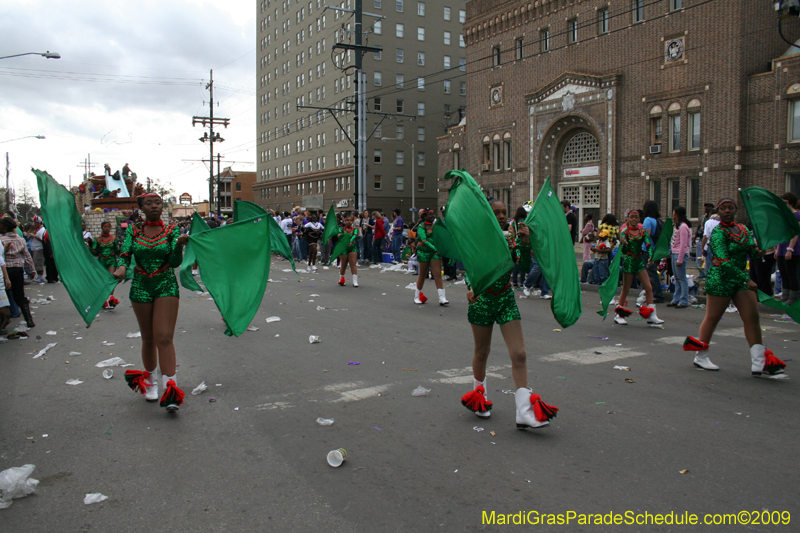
[[8, 192], [360, 118], [209, 136], [219, 188], [87, 166]]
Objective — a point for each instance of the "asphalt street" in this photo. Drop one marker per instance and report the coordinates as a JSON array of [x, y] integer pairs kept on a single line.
[[672, 439]]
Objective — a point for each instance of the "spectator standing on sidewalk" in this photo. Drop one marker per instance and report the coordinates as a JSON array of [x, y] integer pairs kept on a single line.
[[380, 236], [37, 248], [681, 244], [587, 236], [368, 227], [572, 220], [652, 225], [17, 257], [397, 235]]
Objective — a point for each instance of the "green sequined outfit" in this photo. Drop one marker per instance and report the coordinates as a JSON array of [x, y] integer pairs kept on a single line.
[[498, 303], [156, 257], [426, 251], [106, 252], [633, 255], [727, 274], [352, 235]]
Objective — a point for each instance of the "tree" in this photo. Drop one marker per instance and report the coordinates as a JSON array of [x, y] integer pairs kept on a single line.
[[163, 188], [27, 204]]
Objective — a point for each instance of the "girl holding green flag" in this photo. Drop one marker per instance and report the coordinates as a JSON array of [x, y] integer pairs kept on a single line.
[[347, 249]]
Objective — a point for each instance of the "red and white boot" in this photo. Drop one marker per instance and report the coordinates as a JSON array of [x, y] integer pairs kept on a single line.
[[419, 298], [476, 400], [173, 396], [532, 412], [341, 281], [151, 392], [765, 364]]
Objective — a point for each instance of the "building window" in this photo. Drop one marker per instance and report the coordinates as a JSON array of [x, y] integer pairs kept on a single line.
[[694, 130], [399, 6], [638, 10], [447, 13], [399, 55], [572, 31], [420, 159], [655, 191], [376, 104], [462, 64], [675, 4], [675, 133], [447, 61], [420, 133], [581, 148], [518, 48], [462, 15], [462, 88], [399, 157], [400, 132], [421, 109], [456, 159], [238, 186], [421, 9], [377, 78], [495, 56], [693, 198], [420, 33], [544, 39], [400, 106], [496, 153], [487, 153], [446, 86], [420, 183], [673, 194], [507, 151], [399, 183], [421, 59], [447, 37], [377, 183], [378, 156], [376, 4], [420, 84], [399, 30], [794, 120], [602, 21]]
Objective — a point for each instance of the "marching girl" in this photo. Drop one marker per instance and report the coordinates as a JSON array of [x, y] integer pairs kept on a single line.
[[349, 255], [727, 280], [106, 248], [313, 233], [498, 304], [158, 250], [427, 256], [633, 239]]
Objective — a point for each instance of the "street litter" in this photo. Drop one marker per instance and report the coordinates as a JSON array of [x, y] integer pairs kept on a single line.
[[134, 335], [313, 295], [657, 326], [629, 380], [408, 369], [684, 471], [420, 391], [74, 353], [731, 309], [16, 483], [51, 298], [617, 367], [44, 350], [476, 428], [325, 421], [272, 319], [51, 333], [199, 389], [620, 344], [114, 361], [106, 343], [313, 339], [74, 382], [108, 373], [601, 338], [412, 286], [336, 457], [492, 433], [94, 497], [252, 328], [557, 330], [353, 363]]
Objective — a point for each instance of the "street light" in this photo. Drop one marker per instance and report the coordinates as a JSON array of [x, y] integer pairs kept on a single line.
[[47, 55], [27, 137], [413, 180]]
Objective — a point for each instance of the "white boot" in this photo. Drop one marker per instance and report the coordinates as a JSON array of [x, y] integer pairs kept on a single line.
[[170, 404], [417, 292], [765, 364], [442, 299], [525, 416], [702, 361], [151, 392], [355, 280], [619, 320], [475, 385], [653, 318]]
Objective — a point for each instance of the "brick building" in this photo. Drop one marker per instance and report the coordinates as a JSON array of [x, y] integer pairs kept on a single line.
[[233, 185], [620, 101]]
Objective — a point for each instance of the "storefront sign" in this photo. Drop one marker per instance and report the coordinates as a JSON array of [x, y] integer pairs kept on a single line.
[[584, 172]]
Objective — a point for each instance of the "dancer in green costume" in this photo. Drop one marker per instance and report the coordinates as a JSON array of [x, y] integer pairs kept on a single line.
[[158, 250], [633, 240], [347, 249], [428, 257], [727, 281], [106, 248]]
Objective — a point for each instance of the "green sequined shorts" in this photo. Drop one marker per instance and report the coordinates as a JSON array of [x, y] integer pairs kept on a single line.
[[719, 285], [632, 265], [426, 256], [488, 310], [145, 289], [108, 262]]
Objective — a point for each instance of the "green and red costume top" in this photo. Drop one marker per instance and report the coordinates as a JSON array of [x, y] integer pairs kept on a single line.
[[633, 254], [730, 244], [156, 257], [426, 250], [106, 251]]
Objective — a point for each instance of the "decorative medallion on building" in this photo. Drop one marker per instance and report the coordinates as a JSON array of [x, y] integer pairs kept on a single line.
[[568, 102], [496, 95], [673, 50]]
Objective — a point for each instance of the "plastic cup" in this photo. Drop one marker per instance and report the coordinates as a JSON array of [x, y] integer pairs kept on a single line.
[[313, 339], [336, 457], [108, 373]]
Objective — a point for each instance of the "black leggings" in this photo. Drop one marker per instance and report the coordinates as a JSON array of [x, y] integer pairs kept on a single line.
[[17, 279], [788, 271]]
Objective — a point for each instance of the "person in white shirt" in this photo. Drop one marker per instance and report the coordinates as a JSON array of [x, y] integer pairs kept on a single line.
[[37, 248], [711, 223], [313, 233], [286, 226]]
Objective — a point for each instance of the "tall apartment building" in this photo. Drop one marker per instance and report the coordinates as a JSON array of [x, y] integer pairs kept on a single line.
[[304, 157], [620, 101]]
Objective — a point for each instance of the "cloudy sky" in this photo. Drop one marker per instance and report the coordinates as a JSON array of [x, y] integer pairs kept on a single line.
[[130, 78]]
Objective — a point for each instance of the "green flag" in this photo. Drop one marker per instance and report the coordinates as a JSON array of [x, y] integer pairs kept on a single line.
[[234, 265], [88, 283], [331, 226], [663, 246], [443, 241], [773, 222], [554, 250], [791, 310], [476, 233], [342, 244], [189, 258], [609, 287], [242, 209]]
